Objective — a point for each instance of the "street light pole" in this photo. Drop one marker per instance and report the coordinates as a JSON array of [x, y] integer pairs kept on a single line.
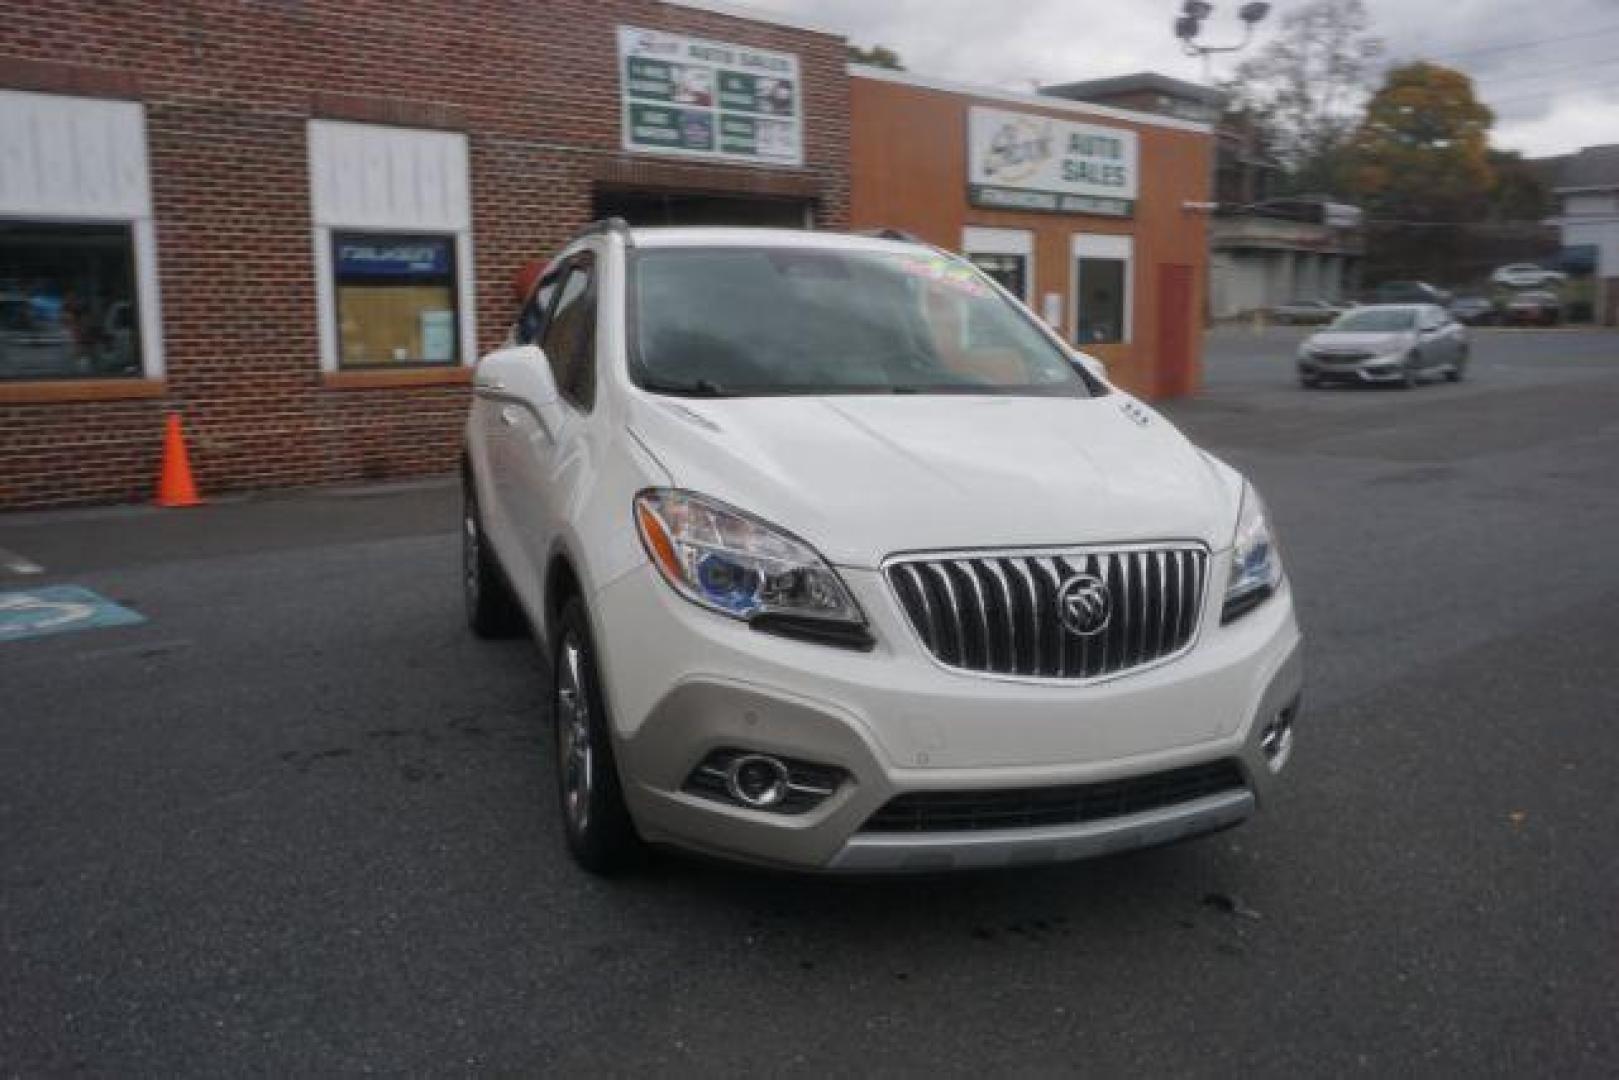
[[1189, 24]]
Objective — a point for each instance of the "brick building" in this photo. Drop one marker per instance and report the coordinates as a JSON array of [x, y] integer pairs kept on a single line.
[[1096, 216], [298, 222]]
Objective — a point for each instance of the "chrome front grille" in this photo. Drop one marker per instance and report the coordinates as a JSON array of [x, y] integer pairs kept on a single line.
[[997, 613]]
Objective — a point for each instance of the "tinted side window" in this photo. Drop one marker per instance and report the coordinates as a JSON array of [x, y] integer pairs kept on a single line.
[[569, 338], [531, 322]]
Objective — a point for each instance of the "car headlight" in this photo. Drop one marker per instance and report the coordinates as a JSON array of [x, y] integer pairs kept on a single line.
[[1256, 565], [724, 560]]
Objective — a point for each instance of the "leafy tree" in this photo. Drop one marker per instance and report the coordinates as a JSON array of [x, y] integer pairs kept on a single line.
[[1520, 192], [1422, 152], [876, 56], [1305, 86]]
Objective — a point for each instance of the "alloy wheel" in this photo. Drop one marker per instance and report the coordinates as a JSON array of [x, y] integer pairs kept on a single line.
[[574, 757], [469, 553]]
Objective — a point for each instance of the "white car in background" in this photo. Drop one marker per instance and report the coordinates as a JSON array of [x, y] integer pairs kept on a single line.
[[845, 562], [1527, 276]]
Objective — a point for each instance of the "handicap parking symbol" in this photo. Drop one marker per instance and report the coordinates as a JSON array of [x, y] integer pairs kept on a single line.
[[58, 609]]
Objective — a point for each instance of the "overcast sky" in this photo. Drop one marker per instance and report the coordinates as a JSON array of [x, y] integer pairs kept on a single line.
[[1549, 68]]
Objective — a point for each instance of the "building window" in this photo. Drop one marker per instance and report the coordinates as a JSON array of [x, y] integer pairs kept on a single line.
[[1011, 272], [67, 301], [396, 299], [393, 246], [1004, 254], [78, 258], [1102, 303]]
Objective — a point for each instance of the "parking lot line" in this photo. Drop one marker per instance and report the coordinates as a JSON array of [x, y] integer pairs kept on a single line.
[[19, 564]]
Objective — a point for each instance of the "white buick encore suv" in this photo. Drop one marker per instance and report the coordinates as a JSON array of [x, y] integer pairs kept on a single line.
[[844, 561]]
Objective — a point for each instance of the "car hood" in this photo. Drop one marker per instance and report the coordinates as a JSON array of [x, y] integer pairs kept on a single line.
[[1361, 341], [864, 477]]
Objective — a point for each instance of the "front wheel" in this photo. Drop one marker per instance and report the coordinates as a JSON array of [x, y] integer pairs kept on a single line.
[[1458, 368], [1408, 372], [601, 837]]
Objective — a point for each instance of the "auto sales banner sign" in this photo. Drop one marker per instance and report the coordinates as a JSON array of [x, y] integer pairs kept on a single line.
[[1022, 161], [697, 98]]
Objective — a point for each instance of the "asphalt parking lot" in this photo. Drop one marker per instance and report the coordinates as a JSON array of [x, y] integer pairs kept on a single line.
[[299, 822]]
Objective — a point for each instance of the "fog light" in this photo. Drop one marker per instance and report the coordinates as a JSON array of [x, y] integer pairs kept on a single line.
[[757, 781], [1276, 739], [781, 785]]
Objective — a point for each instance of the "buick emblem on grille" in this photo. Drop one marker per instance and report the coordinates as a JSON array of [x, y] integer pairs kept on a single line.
[[1084, 605]]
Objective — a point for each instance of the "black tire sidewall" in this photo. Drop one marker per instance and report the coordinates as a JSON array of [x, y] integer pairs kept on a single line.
[[608, 844], [494, 612]]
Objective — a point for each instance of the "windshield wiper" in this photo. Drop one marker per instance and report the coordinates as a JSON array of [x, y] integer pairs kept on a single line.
[[694, 388]]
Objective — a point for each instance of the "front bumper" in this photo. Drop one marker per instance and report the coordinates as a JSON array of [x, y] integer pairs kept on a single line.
[[1380, 369], [682, 683], [907, 852]]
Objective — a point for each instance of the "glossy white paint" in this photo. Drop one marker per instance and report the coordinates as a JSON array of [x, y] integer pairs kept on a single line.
[[859, 478], [377, 178]]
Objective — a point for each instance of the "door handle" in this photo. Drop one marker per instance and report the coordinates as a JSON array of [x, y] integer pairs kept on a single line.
[[491, 384], [508, 416]]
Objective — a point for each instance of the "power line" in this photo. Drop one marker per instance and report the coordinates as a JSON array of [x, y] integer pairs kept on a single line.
[[1548, 92], [1548, 73], [1510, 46]]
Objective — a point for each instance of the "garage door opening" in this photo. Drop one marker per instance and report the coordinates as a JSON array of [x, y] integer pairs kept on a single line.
[[653, 208]]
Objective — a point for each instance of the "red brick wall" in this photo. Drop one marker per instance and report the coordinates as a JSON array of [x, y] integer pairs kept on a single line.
[[909, 165], [228, 88]]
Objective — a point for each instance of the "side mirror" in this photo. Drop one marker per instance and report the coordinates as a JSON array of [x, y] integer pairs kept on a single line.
[[519, 371]]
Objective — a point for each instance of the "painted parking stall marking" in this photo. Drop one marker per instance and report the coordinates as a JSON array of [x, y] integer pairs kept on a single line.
[[58, 609], [15, 563]]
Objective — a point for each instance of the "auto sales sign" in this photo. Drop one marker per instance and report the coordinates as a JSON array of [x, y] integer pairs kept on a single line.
[[1022, 161], [697, 98]]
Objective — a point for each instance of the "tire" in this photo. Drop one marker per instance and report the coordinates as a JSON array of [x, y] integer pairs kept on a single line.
[[1408, 379], [601, 837], [492, 607], [1458, 369], [1308, 382]]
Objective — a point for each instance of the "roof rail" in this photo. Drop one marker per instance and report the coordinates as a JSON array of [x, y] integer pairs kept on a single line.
[[610, 226]]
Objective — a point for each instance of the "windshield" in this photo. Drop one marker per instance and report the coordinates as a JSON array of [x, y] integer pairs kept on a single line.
[[1377, 320], [755, 321]]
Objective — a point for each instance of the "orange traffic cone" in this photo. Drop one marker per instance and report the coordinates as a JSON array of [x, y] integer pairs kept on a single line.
[[174, 485]]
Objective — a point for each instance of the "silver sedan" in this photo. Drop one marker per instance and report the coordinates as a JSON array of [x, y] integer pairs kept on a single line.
[[1402, 344]]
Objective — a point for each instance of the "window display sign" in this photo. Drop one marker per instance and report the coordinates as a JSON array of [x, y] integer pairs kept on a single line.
[[700, 98], [395, 299], [394, 259], [1021, 161]]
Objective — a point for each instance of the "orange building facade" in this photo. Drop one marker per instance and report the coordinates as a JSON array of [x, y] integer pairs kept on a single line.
[[1095, 216]]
